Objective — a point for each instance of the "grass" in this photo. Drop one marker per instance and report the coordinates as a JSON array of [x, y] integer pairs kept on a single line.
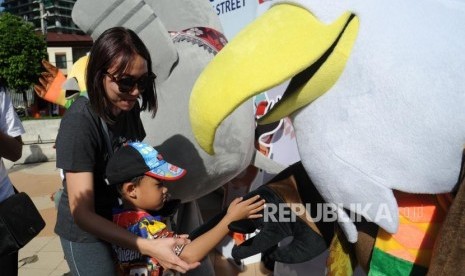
[[27, 118]]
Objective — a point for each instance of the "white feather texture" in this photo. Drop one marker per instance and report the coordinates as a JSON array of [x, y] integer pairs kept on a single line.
[[395, 118]]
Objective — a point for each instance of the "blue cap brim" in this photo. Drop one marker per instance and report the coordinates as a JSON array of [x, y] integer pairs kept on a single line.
[[167, 172]]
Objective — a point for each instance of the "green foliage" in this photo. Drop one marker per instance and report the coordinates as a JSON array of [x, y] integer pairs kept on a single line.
[[21, 51]]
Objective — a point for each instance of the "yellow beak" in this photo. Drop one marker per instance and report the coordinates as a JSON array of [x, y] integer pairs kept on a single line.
[[286, 42]]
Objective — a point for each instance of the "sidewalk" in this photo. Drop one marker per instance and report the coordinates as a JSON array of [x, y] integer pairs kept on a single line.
[[43, 255]]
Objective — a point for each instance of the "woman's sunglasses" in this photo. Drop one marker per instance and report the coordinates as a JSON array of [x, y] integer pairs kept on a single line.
[[127, 83]]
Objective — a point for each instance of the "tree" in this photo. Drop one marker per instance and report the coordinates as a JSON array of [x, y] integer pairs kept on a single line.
[[21, 52]]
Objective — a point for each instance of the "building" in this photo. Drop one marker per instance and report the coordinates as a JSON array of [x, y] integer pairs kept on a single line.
[[66, 43], [65, 49], [45, 15]]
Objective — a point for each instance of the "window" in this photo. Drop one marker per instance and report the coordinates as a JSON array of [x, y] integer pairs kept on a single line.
[[60, 60]]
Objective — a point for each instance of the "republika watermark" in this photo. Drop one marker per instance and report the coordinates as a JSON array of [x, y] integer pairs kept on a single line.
[[330, 212]]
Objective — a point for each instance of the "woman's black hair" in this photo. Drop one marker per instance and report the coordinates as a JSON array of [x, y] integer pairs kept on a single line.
[[116, 46]]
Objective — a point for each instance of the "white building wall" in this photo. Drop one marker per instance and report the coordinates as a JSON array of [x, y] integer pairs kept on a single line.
[[68, 51]]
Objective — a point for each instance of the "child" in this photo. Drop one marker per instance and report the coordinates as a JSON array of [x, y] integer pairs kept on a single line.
[[139, 171]]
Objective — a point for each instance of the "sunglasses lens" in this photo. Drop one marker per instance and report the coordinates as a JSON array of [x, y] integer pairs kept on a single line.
[[127, 84], [142, 83]]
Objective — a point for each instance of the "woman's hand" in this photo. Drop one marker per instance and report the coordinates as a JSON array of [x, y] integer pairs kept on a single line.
[[243, 209], [163, 251]]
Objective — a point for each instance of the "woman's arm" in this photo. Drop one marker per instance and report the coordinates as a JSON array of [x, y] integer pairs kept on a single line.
[[238, 209], [81, 202], [12, 147]]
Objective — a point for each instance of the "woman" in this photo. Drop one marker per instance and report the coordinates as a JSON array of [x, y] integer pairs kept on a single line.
[[119, 73], [11, 148]]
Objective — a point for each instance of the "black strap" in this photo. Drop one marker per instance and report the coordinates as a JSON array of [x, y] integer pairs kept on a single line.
[[106, 137]]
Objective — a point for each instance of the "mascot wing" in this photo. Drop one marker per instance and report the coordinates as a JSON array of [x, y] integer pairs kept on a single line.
[[375, 92]]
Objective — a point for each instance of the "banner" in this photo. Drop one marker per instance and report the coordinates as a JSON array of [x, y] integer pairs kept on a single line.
[[234, 14]]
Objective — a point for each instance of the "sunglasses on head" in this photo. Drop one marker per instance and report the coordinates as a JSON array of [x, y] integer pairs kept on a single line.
[[127, 83]]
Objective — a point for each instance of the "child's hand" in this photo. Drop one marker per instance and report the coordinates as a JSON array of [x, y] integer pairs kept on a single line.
[[242, 209]]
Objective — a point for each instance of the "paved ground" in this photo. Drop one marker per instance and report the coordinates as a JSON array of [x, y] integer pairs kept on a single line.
[[43, 255]]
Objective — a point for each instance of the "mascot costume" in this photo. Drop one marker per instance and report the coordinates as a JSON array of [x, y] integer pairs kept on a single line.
[[377, 104], [375, 97]]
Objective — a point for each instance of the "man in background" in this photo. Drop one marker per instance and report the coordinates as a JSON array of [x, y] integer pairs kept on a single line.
[[11, 147]]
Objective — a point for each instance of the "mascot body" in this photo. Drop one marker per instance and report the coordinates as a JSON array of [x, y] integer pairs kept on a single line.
[[389, 116], [374, 91]]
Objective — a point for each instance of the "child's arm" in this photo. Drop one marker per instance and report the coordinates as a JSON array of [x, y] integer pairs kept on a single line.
[[238, 209]]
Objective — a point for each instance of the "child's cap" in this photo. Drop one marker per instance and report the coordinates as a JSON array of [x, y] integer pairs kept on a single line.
[[136, 159]]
